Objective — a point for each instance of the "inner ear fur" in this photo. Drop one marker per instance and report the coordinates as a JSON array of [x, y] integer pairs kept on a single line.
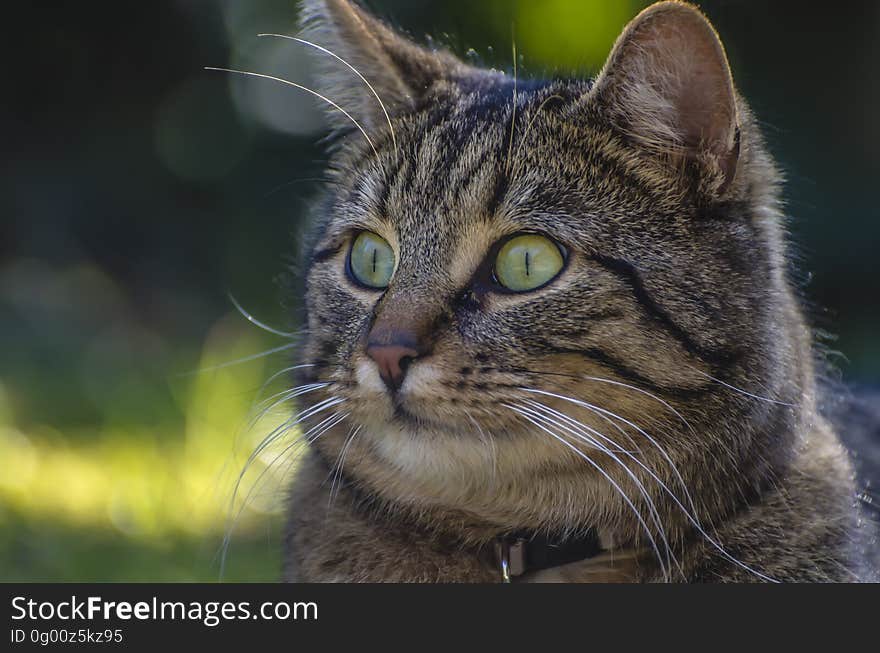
[[667, 85]]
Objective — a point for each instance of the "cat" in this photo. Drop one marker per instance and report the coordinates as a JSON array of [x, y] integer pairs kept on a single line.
[[551, 334]]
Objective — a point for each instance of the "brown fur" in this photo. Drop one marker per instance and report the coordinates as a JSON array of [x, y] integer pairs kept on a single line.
[[656, 180]]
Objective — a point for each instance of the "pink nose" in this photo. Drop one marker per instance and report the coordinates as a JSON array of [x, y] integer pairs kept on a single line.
[[392, 361]]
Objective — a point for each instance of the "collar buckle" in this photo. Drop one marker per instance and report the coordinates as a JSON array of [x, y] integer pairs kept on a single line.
[[510, 554]]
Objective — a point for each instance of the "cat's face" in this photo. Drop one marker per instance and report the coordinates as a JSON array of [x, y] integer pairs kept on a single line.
[[525, 269]]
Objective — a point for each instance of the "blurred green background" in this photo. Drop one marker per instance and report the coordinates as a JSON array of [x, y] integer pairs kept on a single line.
[[138, 190]]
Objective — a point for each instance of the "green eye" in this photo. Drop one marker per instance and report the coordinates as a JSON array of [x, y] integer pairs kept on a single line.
[[371, 260], [527, 262]]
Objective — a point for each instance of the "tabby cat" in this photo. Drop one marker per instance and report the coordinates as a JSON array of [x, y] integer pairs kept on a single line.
[[551, 334]]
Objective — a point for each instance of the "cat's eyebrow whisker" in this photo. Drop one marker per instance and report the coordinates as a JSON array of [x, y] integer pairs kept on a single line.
[[301, 180], [302, 88], [250, 318], [513, 110], [542, 412], [352, 68], [607, 477], [528, 128]]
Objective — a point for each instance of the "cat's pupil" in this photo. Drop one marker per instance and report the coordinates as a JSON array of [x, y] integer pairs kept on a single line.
[[527, 264]]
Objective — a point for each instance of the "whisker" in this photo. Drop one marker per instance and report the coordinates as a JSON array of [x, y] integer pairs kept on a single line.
[[279, 373], [286, 395], [638, 429], [340, 462], [301, 180], [250, 318], [743, 392], [599, 469], [302, 88], [528, 129], [580, 424], [513, 109], [308, 437], [487, 440], [283, 428], [268, 405], [239, 361], [352, 68], [655, 515], [690, 517], [646, 393], [604, 437]]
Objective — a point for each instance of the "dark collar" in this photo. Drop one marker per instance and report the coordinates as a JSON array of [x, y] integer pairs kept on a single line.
[[522, 552]]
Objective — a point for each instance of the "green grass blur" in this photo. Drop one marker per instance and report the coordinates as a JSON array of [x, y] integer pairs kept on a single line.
[[147, 486]]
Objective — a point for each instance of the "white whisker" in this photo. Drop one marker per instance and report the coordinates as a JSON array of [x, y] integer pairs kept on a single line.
[[250, 318], [541, 412], [239, 361], [279, 373], [489, 440], [513, 110], [302, 88], [352, 68], [340, 462], [641, 431], [599, 469], [743, 392], [283, 428], [528, 129], [286, 395], [644, 392], [308, 437], [690, 517]]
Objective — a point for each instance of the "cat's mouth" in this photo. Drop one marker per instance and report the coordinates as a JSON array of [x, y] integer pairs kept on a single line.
[[406, 417], [414, 414]]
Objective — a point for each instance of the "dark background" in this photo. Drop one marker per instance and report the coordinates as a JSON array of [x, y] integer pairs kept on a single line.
[[138, 189]]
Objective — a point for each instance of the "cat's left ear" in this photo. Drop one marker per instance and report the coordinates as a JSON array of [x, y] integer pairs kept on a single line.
[[399, 71], [667, 85]]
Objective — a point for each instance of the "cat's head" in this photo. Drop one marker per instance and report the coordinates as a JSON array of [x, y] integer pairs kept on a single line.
[[511, 276]]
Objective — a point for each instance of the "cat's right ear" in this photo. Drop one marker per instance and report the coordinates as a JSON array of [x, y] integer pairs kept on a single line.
[[667, 85], [397, 71]]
